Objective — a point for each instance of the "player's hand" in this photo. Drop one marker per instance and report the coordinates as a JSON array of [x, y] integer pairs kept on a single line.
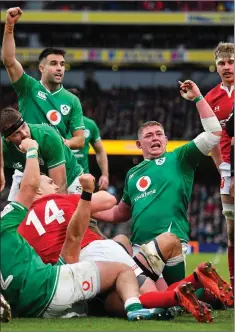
[[189, 90], [13, 14], [2, 179], [103, 182], [231, 190], [5, 310], [87, 182], [27, 144]]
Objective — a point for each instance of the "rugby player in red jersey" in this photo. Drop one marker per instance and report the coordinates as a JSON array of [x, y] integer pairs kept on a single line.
[[221, 99]]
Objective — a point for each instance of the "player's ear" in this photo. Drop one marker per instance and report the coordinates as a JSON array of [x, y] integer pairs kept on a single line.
[[138, 144], [39, 191], [41, 67]]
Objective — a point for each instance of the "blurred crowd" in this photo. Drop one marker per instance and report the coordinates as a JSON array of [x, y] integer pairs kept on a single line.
[[120, 111], [176, 5], [121, 36]]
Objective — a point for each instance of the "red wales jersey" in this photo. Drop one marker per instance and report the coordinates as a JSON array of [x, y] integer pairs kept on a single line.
[[221, 101], [46, 222]]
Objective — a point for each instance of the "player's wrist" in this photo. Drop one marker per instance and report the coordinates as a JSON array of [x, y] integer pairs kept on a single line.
[[32, 153], [9, 27], [86, 195], [198, 98]]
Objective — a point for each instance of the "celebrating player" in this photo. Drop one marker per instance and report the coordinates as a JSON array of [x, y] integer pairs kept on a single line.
[[92, 136], [56, 159], [35, 289], [45, 228], [158, 190], [221, 100], [44, 101]]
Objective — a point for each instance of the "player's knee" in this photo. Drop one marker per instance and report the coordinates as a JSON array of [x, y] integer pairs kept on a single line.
[[124, 241], [169, 245], [228, 211], [230, 231]]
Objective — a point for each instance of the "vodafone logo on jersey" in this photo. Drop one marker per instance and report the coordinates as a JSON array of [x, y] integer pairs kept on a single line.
[[54, 117], [86, 285], [143, 183]]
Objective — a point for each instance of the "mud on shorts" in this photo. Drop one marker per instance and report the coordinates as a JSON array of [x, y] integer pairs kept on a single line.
[[77, 282]]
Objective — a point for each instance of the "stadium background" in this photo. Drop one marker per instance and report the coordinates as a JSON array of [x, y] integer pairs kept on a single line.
[[125, 58]]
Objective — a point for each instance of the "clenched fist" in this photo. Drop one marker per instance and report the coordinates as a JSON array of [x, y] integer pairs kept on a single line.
[[13, 14], [87, 182], [27, 144]]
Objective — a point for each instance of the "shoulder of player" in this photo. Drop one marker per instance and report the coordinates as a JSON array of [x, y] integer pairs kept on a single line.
[[213, 91], [88, 121], [42, 129], [70, 95], [136, 168]]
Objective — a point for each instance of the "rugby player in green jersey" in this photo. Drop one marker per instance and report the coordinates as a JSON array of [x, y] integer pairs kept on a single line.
[[45, 101], [92, 137], [157, 191], [55, 158], [35, 289]]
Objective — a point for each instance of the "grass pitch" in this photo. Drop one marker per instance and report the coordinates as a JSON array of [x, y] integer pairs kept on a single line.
[[224, 320]]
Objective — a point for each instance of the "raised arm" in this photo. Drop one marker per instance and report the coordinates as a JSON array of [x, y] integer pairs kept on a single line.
[[79, 222], [207, 140], [31, 178], [13, 67]]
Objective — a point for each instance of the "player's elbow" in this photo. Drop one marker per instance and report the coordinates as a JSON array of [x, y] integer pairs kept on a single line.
[[8, 62]]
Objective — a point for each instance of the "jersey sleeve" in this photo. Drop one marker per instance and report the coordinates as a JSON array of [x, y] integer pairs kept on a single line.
[[125, 196], [95, 137], [76, 116], [24, 85], [189, 154], [11, 216], [53, 149]]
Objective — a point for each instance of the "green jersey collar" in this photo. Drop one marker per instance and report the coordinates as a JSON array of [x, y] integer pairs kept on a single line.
[[52, 93], [161, 156]]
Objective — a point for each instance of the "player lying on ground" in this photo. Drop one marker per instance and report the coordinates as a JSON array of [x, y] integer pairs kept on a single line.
[[158, 190], [35, 289], [46, 236]]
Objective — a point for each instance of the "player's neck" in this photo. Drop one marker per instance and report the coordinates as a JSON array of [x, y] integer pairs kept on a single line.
[[228, 85], [51, 87]]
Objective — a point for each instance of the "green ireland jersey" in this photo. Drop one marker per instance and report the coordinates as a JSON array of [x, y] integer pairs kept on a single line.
[[92, 135], [60, 109], [159, 191], [27, 283], [52, 152]]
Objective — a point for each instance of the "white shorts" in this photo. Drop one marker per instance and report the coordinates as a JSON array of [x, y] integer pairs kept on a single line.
[[75, 187], [108, 251], [77, 282], [225, 172]]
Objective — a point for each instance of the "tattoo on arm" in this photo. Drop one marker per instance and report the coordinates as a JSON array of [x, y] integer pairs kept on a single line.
[[9, 28]]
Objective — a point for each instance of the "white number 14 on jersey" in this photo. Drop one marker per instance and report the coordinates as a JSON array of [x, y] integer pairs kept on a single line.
[[51, 208]]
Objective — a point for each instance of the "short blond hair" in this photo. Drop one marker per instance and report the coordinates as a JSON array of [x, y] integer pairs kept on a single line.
[[148, 124], [224, 50]]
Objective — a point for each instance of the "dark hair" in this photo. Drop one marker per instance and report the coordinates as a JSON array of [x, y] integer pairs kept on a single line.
[[50, 50], [8, 116]]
